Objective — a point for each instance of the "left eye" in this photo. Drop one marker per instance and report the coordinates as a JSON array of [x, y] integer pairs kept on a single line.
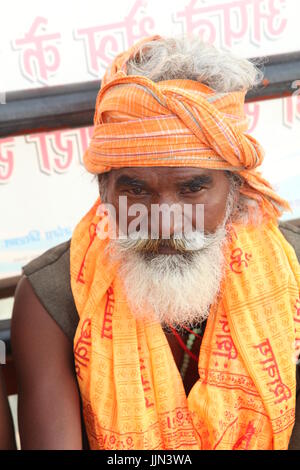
[[192, 189], [137, 191]]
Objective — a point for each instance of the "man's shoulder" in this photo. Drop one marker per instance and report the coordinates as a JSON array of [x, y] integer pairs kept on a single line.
[[49, 276], [292, 234], [49, 257]]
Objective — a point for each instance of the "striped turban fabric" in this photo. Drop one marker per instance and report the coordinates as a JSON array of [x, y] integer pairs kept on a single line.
[[175, 123]]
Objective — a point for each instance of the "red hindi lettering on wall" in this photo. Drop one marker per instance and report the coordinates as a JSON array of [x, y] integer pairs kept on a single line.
[[40, 56], [6, 159]]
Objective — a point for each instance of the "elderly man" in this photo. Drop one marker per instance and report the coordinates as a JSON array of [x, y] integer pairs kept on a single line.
[[185, 341]]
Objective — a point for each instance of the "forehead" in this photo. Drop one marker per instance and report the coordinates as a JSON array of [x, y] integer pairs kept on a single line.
[[152, 174]]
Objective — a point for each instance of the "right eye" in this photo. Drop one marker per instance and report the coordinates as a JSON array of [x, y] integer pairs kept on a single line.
[[137, 191]]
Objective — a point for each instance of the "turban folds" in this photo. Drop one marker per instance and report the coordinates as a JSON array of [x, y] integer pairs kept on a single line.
[[140, 123]]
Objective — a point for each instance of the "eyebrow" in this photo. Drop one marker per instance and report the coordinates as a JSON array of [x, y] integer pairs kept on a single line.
[[125, 180], [197, 180]]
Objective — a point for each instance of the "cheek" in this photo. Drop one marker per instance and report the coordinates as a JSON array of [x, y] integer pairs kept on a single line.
[[214, 214], [215, 210], [113, 201]]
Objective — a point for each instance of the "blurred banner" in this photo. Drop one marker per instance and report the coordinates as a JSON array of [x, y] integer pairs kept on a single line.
[[44, 189]]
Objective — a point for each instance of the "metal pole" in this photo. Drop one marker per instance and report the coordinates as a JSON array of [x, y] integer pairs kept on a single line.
[[67, 106]]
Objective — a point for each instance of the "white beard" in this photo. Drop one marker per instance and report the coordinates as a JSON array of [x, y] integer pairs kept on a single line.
[[173, 289]]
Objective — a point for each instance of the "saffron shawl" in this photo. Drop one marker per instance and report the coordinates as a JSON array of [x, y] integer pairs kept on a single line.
[[132, 393]]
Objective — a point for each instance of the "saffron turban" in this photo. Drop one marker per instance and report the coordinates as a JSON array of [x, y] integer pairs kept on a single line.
[[140, 123]]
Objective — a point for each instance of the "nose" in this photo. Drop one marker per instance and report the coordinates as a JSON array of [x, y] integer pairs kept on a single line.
[[165, 217]]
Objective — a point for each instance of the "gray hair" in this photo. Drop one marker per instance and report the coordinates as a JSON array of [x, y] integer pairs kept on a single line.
[[103, 183], [191, 58]]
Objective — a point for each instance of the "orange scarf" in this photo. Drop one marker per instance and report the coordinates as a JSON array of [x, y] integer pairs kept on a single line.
[[132, 393]]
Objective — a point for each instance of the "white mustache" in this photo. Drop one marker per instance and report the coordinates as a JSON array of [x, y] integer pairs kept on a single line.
[[193, 241]]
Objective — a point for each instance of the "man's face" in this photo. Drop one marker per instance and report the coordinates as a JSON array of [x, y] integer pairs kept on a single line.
[[175, 282], [167, 185]]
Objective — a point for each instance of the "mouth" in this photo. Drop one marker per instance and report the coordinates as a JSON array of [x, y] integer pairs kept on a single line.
[[167, 250], [187, 256]]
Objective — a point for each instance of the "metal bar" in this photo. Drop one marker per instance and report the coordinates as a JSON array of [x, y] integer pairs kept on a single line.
[[69, 106], [49, 108], [281, 71]]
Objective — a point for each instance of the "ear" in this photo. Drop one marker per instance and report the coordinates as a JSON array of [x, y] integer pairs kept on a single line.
[[103, 182]]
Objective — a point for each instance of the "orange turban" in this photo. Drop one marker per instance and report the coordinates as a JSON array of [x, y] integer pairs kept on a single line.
[[175, 123]]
